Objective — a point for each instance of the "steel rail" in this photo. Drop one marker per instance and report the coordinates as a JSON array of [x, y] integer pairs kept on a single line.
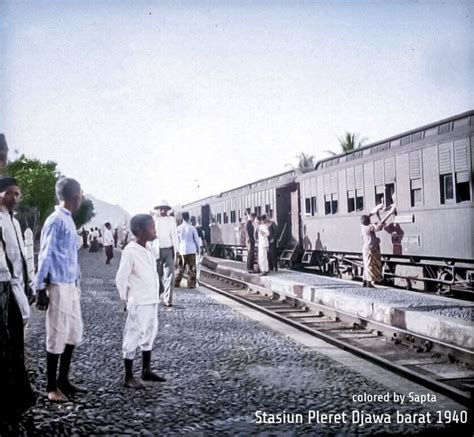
[[463, 397]]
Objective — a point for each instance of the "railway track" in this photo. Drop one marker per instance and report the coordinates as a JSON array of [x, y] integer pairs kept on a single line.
[[444, 368]]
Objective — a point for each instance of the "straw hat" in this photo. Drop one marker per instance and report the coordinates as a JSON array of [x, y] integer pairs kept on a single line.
[[163, 205]]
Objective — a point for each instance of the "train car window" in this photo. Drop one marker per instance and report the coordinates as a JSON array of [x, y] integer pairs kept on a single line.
[[268, 209], [258, 211], [379, 192], [334, 204], [219, 218], [232, 216], [307, 203], [463, 189], [416, 185], [405, 140], [359, 200], [351, 203], [314, 209], [416, 193], [444, 128], [432, 131], [389, 194], [447, 188], [327, 204], [247, 210], [226, 218]]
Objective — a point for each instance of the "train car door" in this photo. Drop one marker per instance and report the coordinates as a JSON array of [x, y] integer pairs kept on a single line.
[[295, 215], [287, 210], [206, 221]]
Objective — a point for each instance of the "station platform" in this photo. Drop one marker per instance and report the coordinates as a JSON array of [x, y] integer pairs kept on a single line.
[[230, 371], [438, 317]]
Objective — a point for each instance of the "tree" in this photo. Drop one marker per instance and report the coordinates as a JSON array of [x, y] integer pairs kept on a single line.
[[305, 161], [84, 214], [348, 142], [37, 181]]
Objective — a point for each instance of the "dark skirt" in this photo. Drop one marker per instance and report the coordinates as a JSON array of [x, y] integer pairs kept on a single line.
[[94, 246], [16, 394]]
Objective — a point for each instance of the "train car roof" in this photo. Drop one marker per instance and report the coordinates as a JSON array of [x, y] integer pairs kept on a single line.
[[249, 185], [321, 162]]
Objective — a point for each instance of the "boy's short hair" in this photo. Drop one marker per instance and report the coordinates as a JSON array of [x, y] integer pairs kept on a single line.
[[185, 216], [138, 223]]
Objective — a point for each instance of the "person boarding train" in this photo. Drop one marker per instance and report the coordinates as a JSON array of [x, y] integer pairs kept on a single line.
[[371, 245]]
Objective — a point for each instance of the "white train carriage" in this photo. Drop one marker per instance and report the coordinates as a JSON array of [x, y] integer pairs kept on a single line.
[[427, 173]]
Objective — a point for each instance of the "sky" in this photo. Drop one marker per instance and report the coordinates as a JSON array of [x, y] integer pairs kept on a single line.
[[143, 101]]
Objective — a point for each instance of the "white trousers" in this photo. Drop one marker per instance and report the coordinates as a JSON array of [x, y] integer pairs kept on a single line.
[[63, 318], [22, 301], [140, 329], [263, 259]]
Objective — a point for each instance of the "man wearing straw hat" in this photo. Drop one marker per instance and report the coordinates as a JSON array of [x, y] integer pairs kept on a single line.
[[168, 245]]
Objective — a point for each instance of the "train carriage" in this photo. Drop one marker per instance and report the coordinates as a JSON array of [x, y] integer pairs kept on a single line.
[[223, 216], [427, 173]]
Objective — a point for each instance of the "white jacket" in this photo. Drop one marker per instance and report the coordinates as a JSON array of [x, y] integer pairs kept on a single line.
[[137, 279]]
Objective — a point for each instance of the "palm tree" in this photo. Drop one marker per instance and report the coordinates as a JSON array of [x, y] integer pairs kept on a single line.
[[349, 142], [305, 161]]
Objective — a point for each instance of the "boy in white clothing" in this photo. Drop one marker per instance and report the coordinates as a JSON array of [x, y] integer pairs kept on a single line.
[[138, 285]]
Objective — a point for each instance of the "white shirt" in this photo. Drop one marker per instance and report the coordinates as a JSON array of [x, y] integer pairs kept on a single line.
[[14, 243], [166, 232], [137, 279], [263, 234], [108, 238], [188, 239]]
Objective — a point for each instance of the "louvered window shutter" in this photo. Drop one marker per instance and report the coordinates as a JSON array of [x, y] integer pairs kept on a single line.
[[350, 178], [359, 177], [389, 170], [445, 158], [378, 172], [415, 165], [461, 155], [333, 182]]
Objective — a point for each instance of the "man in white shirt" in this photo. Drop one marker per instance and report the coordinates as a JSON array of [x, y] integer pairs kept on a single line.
[[22, 286], [168, 247], [188, 244], [108, 242]]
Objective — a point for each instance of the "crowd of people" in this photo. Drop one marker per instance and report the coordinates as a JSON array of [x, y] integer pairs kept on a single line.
[[145, 275], [261, 231]]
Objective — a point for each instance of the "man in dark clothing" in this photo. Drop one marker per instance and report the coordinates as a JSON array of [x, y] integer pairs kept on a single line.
[[272, 246], [84, 234], [250, 230], [16, 394]]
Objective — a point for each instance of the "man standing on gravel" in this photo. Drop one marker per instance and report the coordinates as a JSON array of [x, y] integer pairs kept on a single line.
[[188, 248], [108, 243], [168, 245], [23, 287], [57, 282]]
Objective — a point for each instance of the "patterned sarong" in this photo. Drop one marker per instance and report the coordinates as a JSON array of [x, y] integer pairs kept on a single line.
[[372, 264]]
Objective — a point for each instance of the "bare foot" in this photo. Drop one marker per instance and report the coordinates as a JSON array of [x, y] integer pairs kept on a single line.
[[57, 396], [133, 383]]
